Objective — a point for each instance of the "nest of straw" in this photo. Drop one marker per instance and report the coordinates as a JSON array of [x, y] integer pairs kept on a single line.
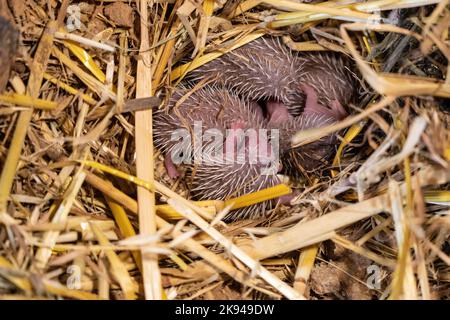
[[86, 208]]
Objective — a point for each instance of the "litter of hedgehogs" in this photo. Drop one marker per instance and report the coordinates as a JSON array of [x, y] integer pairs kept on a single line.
[[265, 88]]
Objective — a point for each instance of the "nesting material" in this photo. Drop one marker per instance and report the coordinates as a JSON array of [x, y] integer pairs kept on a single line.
[[88, 211]]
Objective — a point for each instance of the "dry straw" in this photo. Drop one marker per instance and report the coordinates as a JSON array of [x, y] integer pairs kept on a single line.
[[82, 188]]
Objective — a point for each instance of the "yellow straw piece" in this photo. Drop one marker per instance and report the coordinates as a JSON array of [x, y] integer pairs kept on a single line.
[[167, 212], [239, 202], [118, 173], [258, 196], [438, 196], [69, 89], [53, 288], [349, 136], [27, 101], [21, 283], [127, 230], [86, 60], [124, 224], [244, 6]]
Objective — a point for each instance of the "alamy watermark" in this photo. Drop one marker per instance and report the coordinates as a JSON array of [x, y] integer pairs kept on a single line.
[[236, 146], [73, 18], [374, 277], [74, 280]]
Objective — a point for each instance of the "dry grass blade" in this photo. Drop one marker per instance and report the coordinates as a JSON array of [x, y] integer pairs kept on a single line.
[[84, 41], [183, 69], [391, 84], [78, 98], [144, 160], [27, 101], [95, 85], [188, 244], [125, 226], [118, 269], [305, 265], [234, 203], [34, 84], [287, 5], [307, 136], [302, 234], [60, 216]]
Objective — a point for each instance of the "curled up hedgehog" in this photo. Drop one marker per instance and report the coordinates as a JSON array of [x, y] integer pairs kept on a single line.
[[204, 132], [260, 87], [289, 84]]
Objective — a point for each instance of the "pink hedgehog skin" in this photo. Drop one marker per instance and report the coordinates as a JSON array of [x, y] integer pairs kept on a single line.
[[217, 108], [217, 179], [328, 74], [214, 107], [266, 69], [301, 91], [315, 155], [214, 178]]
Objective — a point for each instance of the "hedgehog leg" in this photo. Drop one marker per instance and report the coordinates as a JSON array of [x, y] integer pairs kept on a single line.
[[339, 111], [313, 106], [170, 167], [278, 112], [286, 199]]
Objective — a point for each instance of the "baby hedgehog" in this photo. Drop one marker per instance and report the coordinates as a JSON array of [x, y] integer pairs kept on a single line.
[[209, 122], [300, 91], [315, 155], [267, 70]]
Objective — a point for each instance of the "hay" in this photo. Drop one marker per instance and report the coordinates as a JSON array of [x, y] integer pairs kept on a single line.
[[88, 212]]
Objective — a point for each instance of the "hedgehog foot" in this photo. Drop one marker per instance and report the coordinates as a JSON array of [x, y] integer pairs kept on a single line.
[[339, 111], [278, 113], [170, 167], [286, 199], [312, 105]]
